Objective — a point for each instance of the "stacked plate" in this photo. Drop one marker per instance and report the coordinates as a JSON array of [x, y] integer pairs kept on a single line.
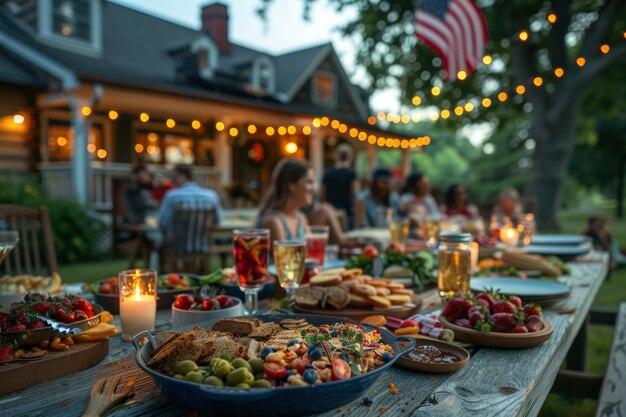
[[558, 245], [534, 291]]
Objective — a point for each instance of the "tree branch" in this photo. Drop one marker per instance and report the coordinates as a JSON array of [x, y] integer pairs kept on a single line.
[[557, 49], [600, 28], [598, 63], [523, 59]]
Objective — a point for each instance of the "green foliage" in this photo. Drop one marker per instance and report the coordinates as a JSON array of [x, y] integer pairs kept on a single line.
[[75, 233]]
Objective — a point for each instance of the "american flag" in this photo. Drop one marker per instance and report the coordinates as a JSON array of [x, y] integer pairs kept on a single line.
[[456, 30]]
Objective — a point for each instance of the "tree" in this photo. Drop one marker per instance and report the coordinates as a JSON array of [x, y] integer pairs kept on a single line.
[[392, 57]]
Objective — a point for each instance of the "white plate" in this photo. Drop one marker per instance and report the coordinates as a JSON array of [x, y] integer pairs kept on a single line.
[[524, 288], [559, 240], [558, 250]]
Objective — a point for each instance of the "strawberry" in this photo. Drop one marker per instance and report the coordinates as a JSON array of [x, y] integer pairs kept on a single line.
[[516, 301], [41, 307], [519, 328], [22, 318], [503, 322], [456, 309], [79, 315], [82, 304], [66, 302], [38, 324], [475, 316], [533, 323], [16, 328], [225, 301], [210, 304], [488, 298], [6, 353], [502, 306], [63, 316], [484, 303], [532, 310], [463, 323]]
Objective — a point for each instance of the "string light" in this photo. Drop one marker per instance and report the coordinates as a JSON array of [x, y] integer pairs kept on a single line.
[[342, 128], [353, 132], [458, 110], [371, 139], [486, 102], [371, 120], [416, 118], [580, 61], [138, 148], [468, 107], [605, 49], [405, 118], [281, 130], [144, 117], [487, 59], [502, 96], [233, 131], [551, 18], [101, 153], [91, 148], [196, 124], [538, 81], [461, 75], [381, 115], [306, 130], [291, 130], [324, 121], [317, 122], [520, 89], [269, 131], [170, 123], [558, 72], [291, 148], [113, 115], [445, 113], [219, 126], [362, 136], [86, 111], [523, 36], [435, 91], [151, 149], [416, 100]]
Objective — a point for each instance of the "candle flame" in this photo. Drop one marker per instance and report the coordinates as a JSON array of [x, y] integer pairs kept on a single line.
[[137, 292], [510, 233]]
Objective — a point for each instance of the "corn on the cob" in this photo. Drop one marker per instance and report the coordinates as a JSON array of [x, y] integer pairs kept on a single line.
[[530, 262]]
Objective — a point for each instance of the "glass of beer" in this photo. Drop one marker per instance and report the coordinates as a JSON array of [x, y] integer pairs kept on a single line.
[[430, 231], [399, 231], [455, 264], [289, 258]]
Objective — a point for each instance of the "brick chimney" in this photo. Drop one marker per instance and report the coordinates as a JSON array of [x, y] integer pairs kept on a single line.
[[215, 22]]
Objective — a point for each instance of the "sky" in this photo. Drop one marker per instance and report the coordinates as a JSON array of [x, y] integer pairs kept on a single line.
[[285, 30]]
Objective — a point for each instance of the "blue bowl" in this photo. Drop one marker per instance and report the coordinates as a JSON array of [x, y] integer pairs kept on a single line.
[[287, 401]]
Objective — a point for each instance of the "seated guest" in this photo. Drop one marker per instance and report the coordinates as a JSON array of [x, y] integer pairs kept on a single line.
[[340, 185], [457, 205], [187, 193], [416, 201], [509, 208], [376, 202], [139, 195], [291, 189], [602, 239]]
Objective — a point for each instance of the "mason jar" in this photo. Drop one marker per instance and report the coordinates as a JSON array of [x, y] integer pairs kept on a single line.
[[455, 264]]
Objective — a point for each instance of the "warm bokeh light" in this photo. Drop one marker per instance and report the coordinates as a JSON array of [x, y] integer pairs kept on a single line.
[[371, 120], [324, 121], [291, 130], [252, 129], [196, 124], [61, 141], [461, 75], [416, 100], [426, 140], [435, 91], [291, 148], [371, 139], [405, 118], [170, 123], [486, 102], [151, 149], [558, 72], [404, 144], [152, 137], [335, 124], [551, 18], [144, 117], [420, 141], [389, 142], [269, 131], [353, 132], [233, 131], [139, 148], [18, 119], [502, 96], [468, 107], [362, 136], [101, 153], [416, 118], [445, 113], [380, 142], [91, 148], [281, 130], [458, 110], [343, 128], [381, 115], [538, 81], [86, 111], [434, 116], [487, 59], [520, 89], [523, 36], [219, 126], [317, 122], [605, 48], [580, 61], [389, 117], [306, 130], [113, 115], [397, 118]]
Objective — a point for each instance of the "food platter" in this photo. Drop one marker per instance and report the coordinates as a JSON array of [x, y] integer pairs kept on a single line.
[[499, 340], [407, 362], [287, 401], [355, 313]]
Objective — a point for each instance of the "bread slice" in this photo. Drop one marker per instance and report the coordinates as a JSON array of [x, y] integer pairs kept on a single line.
[[337, 297], [310, 297], [180, 347], [265, 331], [398, 299], [324, 280], [380, 302], [235, 326], [358, 301], [227, 347], [364, 290]]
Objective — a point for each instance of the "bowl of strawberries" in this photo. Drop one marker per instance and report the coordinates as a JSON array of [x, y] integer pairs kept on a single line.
[[188, 309], [495, 320]]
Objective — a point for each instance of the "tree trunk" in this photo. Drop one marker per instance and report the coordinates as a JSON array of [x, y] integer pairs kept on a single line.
[[555, 143]]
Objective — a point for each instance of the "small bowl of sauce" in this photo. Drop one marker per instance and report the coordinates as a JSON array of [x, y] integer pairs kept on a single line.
[[434, 356]]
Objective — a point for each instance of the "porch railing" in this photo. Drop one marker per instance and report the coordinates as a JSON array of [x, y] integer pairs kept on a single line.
[[57, 180]]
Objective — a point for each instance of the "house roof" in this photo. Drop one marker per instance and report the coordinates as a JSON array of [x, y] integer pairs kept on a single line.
[[13, 73]]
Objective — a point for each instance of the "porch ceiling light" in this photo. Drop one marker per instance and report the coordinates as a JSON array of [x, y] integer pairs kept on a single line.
[[291, 130], [196, 124], [291, 148], [233, 131], [269, 131], [170, 123], [282, 130], [252, 129], [86, 111], [219, 126], [101, 153], [18, 119], [113, 115], [144, 117]]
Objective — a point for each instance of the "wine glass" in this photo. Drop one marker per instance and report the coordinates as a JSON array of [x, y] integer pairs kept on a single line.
[[8, 242], [316, 240], [430, 231], [399, 231], [250, 250], [289, 258]]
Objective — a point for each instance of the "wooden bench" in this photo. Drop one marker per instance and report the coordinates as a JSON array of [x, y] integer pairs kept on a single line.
[[612, 400]]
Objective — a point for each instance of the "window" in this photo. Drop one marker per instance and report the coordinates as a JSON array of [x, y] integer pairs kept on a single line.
[[324, 89], [72, 18], [61, 141], [207, 54], [167, 148], [203, 60], [72, 24], [263, 77]]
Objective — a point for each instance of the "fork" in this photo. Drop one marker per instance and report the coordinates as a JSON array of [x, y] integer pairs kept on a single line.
[[103, 397]]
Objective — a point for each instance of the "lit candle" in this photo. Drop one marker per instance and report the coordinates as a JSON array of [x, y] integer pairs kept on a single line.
[[509, 236], [137, 302], [474, 256]]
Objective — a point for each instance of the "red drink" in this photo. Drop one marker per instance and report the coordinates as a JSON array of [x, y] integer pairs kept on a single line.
[[250, 251], [316, 248]]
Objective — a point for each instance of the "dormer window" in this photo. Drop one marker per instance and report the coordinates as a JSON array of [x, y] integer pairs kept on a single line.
[[324, 88], [72, 24], [207, 56], [263, 75]]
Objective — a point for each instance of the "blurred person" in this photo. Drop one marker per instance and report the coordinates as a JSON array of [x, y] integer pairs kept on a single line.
[[456, 203], [509, 207], [291, 190], [601, 238], [416, 201], [339, 184], [374, 203], [141, 203], [159, 189]]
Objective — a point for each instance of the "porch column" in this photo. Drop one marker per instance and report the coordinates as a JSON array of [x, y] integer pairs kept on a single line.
[[316, 152], [406, 163], [224, 158], [81, 168]]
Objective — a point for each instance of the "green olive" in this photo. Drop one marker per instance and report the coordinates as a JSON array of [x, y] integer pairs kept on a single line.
[[212, 361], [184, 367], [179, 376], [241, 363], [194, 376], [213, 380], [240, 375], [262, 383], [242, 385], [256, 364], [221, 368]]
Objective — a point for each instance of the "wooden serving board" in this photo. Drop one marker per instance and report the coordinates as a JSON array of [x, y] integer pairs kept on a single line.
[[358, 313], [19, 375]]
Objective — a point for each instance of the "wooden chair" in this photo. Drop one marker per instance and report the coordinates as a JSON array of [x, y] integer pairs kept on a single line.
[[35, 253], [126, 237], [189, 240]]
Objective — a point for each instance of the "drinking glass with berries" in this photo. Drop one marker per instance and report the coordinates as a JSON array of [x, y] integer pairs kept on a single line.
[[250, 250]]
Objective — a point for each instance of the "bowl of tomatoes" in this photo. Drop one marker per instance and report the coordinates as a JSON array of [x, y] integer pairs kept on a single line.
[[188, 309], [106, 292]]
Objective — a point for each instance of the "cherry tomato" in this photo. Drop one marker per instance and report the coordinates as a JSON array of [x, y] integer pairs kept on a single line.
[[105, 288], [302, 365], [173, 279], [225, 301], [409, 323], [274, 370], [183, 302], [340, 369], [370, 252]]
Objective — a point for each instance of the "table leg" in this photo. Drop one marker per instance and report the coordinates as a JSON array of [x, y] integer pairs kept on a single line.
[[577, 356]]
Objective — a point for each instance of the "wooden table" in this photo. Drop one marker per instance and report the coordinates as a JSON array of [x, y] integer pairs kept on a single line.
[[496, 382]]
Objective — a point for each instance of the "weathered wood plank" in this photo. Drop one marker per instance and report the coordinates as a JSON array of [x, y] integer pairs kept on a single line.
[[612, 401]]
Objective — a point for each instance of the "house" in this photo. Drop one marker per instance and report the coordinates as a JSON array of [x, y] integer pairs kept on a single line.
[[89, 88]]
